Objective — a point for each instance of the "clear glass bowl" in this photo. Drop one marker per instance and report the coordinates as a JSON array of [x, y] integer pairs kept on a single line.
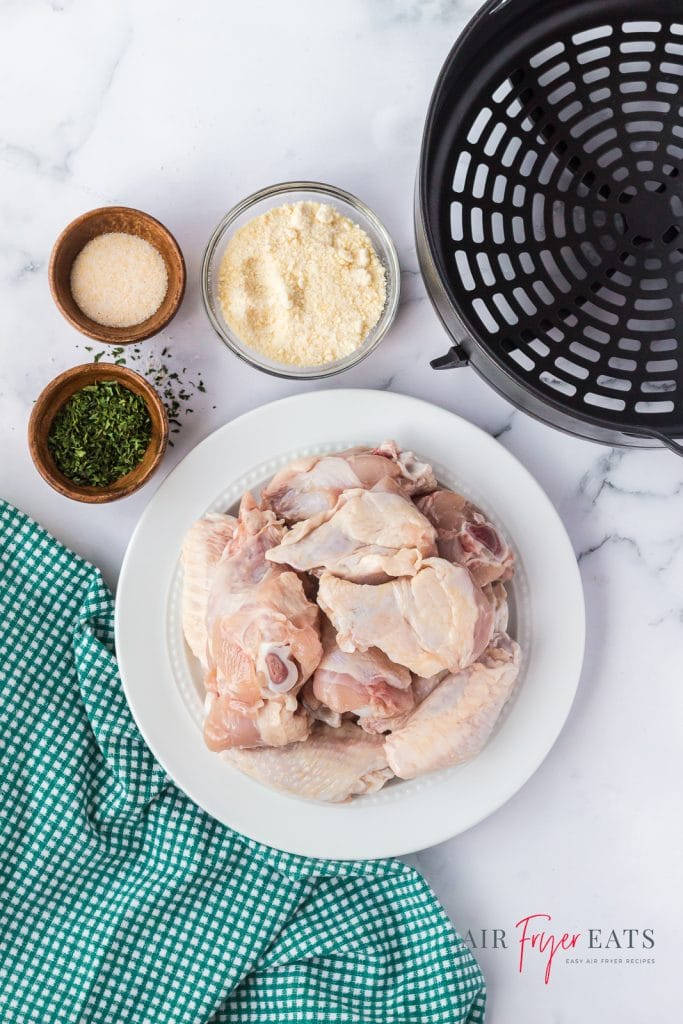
[[277, 195]]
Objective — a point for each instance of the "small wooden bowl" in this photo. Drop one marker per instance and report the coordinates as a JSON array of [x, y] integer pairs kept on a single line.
[[131, 222], [53, 397]]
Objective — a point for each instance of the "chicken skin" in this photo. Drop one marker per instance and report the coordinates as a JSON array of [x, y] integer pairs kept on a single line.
[[332, 765], [313, 484], [368, 537], [466, 537], [453, 723], [437, 619]]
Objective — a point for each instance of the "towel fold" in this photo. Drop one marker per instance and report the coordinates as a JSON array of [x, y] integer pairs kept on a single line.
[[121, 901]]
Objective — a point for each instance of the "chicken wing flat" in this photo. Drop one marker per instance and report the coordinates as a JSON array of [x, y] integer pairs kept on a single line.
[[332, 765], [437, 619], [313, 484], [368, 537], [453, 723], [203, 545]]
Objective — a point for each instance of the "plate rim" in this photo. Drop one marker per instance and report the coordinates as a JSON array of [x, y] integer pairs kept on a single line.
[[379, 847]]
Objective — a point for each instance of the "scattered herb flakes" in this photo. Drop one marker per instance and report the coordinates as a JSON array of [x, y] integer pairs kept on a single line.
[[100, 434], [175, 387]]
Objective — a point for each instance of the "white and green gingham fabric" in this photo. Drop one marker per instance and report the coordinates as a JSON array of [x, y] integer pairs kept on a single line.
[[121, 901]]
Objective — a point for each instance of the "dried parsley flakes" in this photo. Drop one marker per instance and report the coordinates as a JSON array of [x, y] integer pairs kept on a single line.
[[100, 434]]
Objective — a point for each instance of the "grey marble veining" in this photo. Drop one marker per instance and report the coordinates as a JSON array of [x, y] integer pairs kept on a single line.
[[182, 109]]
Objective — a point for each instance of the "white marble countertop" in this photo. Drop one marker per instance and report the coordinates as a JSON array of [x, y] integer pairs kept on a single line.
[[182, 109]]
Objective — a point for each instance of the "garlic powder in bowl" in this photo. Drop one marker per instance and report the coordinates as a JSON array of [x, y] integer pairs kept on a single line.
[[117, 275], [119, 279], [301, 280]]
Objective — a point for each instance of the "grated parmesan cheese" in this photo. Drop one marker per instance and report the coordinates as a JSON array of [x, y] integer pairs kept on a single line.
[[301, 284], [119, 280]]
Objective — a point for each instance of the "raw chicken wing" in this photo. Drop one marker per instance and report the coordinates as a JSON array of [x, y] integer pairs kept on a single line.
[[228, 724], [437, 619], [368, 537], [311, 485], [497, 595], [454, 722], [332, 765], [364, 683], [315, 708], [421, 687], [466, 537], [263, 640], [203, 546]]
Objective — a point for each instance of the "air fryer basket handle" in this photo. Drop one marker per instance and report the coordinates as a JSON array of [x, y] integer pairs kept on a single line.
[[673, 445], [451, 360]]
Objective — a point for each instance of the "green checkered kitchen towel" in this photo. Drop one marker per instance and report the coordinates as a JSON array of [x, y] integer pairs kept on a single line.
[[121, 901]]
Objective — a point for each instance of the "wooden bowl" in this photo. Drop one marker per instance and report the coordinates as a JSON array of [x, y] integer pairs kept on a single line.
[[131, 222], [53, 397]]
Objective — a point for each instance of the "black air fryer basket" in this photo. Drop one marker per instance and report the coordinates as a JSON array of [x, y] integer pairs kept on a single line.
[[549, 211]]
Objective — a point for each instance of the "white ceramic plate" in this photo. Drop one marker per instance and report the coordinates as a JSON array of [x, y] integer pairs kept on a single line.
[[162, 681]]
